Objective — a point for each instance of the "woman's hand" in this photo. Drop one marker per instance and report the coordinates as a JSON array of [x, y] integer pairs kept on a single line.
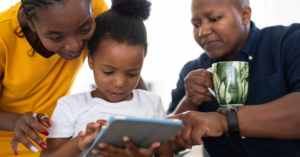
[[86, 139], [198, 125], [28, 126], [130, 151], [196, 84]]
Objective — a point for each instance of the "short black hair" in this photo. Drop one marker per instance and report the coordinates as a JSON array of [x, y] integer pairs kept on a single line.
[[123, 23]]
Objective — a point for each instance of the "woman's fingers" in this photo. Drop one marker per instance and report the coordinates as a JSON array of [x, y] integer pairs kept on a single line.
[[32, 120], [43, 119], [26, 127], [30, 132], [14, 145], [21, 137]]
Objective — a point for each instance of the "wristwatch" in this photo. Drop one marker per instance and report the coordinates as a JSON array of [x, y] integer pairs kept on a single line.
[[232, 120]]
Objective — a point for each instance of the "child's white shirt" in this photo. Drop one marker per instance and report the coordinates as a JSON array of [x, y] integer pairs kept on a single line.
[[74, 112]]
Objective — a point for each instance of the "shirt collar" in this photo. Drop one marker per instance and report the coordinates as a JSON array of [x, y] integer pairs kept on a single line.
[[252, 41]]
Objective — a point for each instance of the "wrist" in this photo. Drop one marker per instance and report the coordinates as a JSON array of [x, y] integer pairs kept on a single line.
[[191, 104], [15, 118], [224, 124], [76, 141]]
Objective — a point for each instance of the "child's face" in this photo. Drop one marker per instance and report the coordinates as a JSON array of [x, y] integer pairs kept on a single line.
[[220, 27], [117, 69]]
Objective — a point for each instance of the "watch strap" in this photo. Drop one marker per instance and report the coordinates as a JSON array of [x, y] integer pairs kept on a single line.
[[233, 124]]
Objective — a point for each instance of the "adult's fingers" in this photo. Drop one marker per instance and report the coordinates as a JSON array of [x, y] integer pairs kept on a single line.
[[14, 145], [202, 91], [32, 120], [44, 120], [22, 138], [186, 135], [174, 117], [180, 141], [196, 135]]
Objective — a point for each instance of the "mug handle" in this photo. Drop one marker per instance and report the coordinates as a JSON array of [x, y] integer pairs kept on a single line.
[[209, 89]]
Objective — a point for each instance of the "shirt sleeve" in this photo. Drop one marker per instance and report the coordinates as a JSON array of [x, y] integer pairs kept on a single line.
[[292, 62], [98, 7], [2, 62], [61, 121], [179, 92]]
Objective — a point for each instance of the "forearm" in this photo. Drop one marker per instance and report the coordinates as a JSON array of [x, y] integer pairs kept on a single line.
[[165, 150], [277, 119], [67, 149], [8, 120], [185, 105]]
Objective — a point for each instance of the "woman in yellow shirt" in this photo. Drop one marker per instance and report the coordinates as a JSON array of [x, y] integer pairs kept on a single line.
[[41, 52]]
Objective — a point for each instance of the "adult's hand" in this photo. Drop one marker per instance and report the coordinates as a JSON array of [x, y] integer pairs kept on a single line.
[[198, 125], [196, 84], [27, 126]]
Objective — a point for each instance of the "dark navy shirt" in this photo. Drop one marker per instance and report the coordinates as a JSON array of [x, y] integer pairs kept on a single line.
[[273, 54]]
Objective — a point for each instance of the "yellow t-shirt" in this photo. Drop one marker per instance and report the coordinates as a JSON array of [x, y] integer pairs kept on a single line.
[[31, 83]]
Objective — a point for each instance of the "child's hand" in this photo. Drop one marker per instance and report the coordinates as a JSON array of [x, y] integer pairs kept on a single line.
[[130, 151], [86, 139]]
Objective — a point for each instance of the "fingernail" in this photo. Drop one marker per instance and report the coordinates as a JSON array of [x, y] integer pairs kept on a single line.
[[48, 123], [158, 144], [16, 152], [101, 145], [34, 149], [45, 132], [188, 146], [125, 138], [43, 145]]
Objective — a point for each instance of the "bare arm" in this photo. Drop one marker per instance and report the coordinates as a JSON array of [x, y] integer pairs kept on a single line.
[[277, 119], [61, 147], [8, 120], [165, 150], [24, 126]]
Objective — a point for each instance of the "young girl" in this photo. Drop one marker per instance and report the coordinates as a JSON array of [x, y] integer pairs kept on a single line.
[[117, 51]]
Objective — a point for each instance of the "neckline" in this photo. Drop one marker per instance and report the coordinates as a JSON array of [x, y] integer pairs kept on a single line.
[[134, 97]]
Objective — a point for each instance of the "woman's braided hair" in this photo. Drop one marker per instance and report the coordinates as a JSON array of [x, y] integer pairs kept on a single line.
[[29, 10]]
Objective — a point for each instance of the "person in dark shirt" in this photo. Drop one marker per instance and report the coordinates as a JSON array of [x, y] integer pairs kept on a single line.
[[270, 118]]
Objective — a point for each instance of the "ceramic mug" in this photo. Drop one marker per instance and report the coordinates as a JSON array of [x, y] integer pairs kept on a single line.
[[230, 83]]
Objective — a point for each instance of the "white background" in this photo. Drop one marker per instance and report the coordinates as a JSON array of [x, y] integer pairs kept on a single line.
[[171, 42]]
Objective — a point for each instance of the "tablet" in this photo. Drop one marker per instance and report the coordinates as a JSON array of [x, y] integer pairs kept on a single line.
[[142, 132]]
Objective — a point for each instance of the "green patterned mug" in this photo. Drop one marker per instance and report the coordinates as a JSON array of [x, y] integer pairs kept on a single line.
[[230, 83]]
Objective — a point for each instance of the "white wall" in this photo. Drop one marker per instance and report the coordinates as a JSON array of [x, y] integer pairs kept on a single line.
[[171, 42]]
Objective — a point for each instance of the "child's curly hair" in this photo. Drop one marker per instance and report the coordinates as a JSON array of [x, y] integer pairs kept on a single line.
[[123, 23]]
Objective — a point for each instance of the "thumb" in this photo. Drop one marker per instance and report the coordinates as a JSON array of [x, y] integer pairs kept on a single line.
[[154, 145]]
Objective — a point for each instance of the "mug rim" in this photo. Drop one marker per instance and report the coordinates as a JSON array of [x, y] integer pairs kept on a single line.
[[230, 62]]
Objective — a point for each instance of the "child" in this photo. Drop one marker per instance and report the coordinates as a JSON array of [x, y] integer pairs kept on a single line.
[[116, 55]]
